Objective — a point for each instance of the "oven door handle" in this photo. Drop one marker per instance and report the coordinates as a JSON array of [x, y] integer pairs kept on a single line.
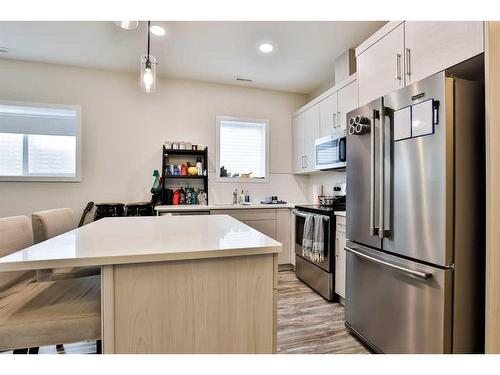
[[305, 214], [419, 274]]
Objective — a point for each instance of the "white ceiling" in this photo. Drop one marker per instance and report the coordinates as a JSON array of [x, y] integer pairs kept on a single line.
[[209, 51]]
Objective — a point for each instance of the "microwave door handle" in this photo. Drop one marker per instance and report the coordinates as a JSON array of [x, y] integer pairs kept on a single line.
[[342, 149], [373, 229]]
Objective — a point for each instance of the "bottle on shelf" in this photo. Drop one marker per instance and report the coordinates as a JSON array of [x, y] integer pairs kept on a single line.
[[199, 166], [241, 197], [235, 196]]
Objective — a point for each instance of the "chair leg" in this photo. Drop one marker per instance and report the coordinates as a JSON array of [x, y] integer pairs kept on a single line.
[[99, 347], [33, 350], [21, 351]]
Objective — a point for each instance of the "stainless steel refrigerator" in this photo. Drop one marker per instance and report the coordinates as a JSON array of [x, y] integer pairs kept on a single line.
[[415, 219]]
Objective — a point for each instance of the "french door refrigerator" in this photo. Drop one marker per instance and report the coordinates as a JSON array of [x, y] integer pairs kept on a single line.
[[415, 219]]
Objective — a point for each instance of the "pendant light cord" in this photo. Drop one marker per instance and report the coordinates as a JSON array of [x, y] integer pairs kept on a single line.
[[148, 63]]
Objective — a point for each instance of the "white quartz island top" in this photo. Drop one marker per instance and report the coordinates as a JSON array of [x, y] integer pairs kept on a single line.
[[124, 240], [199, 207]]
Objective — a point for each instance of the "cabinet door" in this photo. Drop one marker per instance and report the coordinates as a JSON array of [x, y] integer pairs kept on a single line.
[[298, 143], [284, 235], [328, 115], [347, 101], [340, 264], [268, 227], [435, 46], [380, 67], [311, 133]]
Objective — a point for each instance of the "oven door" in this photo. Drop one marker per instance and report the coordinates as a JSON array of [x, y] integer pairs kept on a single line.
[[299, 230], [330, 151]]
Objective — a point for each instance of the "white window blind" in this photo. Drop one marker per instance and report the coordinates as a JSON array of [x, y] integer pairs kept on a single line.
[[38, 141], [243, 147]]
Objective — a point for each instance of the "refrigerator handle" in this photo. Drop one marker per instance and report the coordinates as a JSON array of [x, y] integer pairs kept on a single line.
[[420, 274], [381, 216], [373, 229], [382, 232]]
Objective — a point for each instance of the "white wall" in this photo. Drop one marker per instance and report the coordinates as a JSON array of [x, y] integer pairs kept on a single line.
[[327, 179], [124, 129]]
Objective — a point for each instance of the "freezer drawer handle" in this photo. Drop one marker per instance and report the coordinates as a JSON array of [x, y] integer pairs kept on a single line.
[[420, 274]]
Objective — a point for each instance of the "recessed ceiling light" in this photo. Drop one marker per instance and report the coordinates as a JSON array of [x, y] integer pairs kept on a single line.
[[4, 50], [266, 47], [157, 30], [127, 25]]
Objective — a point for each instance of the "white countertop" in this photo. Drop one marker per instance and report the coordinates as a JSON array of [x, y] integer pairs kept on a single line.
[[199, 207], [339, 213], [143, 239]]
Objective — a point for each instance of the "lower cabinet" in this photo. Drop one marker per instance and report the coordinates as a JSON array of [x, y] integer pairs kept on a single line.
[[275, 223], [340, 257]]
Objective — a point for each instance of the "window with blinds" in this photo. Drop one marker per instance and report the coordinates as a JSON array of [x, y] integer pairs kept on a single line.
[[243, 152], [39, 142]]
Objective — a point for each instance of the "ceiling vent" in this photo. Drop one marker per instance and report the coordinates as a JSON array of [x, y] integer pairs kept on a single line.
[[241, 79]]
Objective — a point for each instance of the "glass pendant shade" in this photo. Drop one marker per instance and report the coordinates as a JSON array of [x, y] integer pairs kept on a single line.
[[148, 73]]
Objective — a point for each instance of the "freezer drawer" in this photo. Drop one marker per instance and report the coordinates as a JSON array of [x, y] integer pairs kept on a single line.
[[396, 305]]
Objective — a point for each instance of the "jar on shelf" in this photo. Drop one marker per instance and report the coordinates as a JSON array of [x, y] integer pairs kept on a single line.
[[175, 145], [188, 145], [168, 145], [182, 145]]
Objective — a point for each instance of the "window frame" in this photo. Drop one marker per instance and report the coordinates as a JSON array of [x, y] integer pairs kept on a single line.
[[218, 178], [78, 170]]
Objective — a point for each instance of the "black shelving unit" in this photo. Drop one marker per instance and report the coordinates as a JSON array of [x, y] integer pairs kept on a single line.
[[190, 153]]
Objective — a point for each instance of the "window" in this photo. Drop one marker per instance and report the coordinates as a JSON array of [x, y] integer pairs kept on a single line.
[[242, 149], [39, 142]]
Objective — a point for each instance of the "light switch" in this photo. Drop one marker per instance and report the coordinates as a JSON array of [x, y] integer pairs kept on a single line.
[[402, 124], [422, 118]]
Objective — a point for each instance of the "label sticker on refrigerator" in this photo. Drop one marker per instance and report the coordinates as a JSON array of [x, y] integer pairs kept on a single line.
[[402, 124], [422, 119]]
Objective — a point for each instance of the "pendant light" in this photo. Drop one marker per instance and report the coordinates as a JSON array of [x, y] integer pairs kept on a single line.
[[148, 68]]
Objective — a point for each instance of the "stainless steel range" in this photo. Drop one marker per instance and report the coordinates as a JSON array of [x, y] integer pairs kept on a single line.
[[318, 275], [415, 215]]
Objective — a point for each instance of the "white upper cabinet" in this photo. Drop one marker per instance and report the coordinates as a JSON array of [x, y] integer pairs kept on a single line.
[[328, 115], [305, 131], [431, 47], [402, 53], [311, 133], [298, 124], [380, 67], [347, 101]]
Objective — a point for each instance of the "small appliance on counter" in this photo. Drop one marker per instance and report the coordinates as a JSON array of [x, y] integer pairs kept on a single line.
[[272, 200]]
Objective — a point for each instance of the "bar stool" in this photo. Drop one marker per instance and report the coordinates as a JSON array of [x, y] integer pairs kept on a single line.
[[34, 314], [51, 223], [109, 210]]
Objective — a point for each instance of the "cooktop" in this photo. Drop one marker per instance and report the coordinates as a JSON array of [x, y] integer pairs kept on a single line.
[[327, 210]]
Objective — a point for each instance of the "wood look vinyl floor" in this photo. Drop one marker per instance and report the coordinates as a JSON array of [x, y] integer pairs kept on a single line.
[[307, 324]]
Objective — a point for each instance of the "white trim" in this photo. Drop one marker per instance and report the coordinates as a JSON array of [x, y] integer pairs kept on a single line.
[[78, 174], [218, 120]]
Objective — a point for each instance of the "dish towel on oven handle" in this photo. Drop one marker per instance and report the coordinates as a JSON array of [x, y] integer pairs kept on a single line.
[[318, 248], [307, 235], [313, 238]]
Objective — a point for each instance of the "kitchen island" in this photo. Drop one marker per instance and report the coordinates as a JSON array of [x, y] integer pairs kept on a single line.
[[192, 284]]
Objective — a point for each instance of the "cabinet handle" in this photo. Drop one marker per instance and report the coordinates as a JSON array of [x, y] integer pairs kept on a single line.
[[398, 66], [334, 118], [305, 161], [339, 120], [408, 64]]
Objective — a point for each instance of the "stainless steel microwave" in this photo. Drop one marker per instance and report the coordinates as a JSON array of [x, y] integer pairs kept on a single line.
[[330, 151]]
